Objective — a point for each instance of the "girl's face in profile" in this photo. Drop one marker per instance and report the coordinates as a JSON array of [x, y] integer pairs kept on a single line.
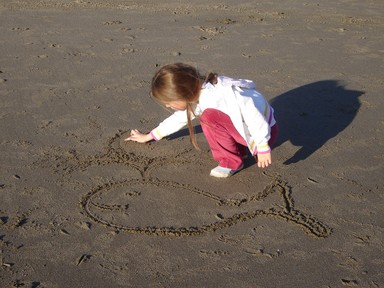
[[177, 105]]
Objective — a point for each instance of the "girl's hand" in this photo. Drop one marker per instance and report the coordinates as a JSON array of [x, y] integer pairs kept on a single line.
[[263, 160], [139, 137]]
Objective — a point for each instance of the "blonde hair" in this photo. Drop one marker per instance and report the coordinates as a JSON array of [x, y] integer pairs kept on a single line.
[[175, 82]]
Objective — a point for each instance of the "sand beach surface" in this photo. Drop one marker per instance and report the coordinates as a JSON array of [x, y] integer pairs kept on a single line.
[[79, 207]]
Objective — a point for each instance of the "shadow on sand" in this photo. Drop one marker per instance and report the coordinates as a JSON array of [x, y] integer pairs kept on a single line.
[[312, 114]]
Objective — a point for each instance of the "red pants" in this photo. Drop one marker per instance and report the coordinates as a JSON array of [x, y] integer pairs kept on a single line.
[[227, 145]]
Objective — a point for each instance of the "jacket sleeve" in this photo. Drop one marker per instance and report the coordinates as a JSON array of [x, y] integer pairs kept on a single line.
[[170, 125], [255, 111]]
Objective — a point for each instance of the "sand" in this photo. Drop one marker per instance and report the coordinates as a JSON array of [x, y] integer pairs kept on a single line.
[[82, 208]]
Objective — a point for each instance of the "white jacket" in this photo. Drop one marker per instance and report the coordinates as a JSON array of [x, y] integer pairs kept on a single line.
[[249, 111]]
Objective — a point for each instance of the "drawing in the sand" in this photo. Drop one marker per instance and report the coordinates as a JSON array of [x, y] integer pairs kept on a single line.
[[96, 207]]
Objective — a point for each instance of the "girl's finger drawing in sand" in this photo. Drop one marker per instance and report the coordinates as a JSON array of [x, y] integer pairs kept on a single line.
[[233, 115]]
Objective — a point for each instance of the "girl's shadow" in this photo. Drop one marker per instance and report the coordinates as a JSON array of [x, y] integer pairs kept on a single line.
[[310, 115]]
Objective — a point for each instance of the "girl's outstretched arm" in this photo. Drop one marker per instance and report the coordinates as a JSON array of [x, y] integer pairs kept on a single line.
[[139, 137]]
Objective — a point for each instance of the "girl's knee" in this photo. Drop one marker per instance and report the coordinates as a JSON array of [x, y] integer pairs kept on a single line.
[[212, 116], [208, 115]]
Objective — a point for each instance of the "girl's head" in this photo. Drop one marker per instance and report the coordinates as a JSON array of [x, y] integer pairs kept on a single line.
[[178, 86], [176, 82]]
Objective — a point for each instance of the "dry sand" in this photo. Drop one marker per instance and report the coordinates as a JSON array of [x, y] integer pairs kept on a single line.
[[81, 208]]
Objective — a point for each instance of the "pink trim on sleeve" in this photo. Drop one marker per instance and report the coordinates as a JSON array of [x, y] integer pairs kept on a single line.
[[154, 136], [262, 149]]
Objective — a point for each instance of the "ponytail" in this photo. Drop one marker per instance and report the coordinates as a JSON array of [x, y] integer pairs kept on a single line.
[[191, 128], [211, 78]]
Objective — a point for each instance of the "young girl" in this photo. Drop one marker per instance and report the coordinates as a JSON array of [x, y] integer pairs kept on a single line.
[[233, 115]]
